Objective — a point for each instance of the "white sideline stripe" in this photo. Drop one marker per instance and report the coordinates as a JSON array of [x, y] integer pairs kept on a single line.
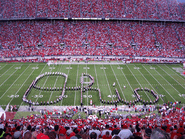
[[97, 79], [54, 85], [44, 82], [118, 82], [160, 84], [174, 78], [149, 83], [168, 82], [66, 83], [7, 71], [39, 74], [21, 86], [76, 84], [2, 67], [14, 82], [138, 81], [107, 83], [8, 77]]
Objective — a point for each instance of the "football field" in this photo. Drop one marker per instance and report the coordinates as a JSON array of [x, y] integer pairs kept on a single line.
[[166, 80]]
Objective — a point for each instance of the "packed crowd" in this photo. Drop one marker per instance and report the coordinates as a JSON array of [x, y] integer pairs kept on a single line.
[[59, 38], [170, 125], [134, 9]]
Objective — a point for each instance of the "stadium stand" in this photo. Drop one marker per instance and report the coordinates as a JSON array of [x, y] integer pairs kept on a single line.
[[169, 121], [30, 8], [133, 9], [103, 38]]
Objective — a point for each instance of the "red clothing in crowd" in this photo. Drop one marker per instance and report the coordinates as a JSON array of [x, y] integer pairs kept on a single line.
[[106, 137]]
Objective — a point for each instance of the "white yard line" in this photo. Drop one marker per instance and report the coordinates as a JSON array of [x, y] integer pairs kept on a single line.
[[97, 79], [127, 80], [160, 84], [128, 83], [148, 82], [118, 82], [175, 72], [66, 83], [138, 82], [8, 77], [3, 67], [172, 77], [39, 74], [167, 81], [76, 84], [22, 85], [14, 82], [107, 82], [54, 84], [44, 82]]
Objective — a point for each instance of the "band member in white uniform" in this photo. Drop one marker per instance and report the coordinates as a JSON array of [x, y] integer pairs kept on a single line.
[[114, 84]]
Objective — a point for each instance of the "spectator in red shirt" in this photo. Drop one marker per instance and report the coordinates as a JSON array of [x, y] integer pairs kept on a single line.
[[107, 135], [69, 134], [42, 136], [181, 129], [62, 131]]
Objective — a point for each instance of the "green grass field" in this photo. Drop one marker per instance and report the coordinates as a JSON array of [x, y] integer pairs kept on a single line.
[[15, 79]]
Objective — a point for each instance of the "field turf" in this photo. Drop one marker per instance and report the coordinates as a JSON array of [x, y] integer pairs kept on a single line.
[[164, 79]]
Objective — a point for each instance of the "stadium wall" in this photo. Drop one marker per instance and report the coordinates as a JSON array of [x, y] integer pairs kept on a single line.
[[100, 58], [91, 19]]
